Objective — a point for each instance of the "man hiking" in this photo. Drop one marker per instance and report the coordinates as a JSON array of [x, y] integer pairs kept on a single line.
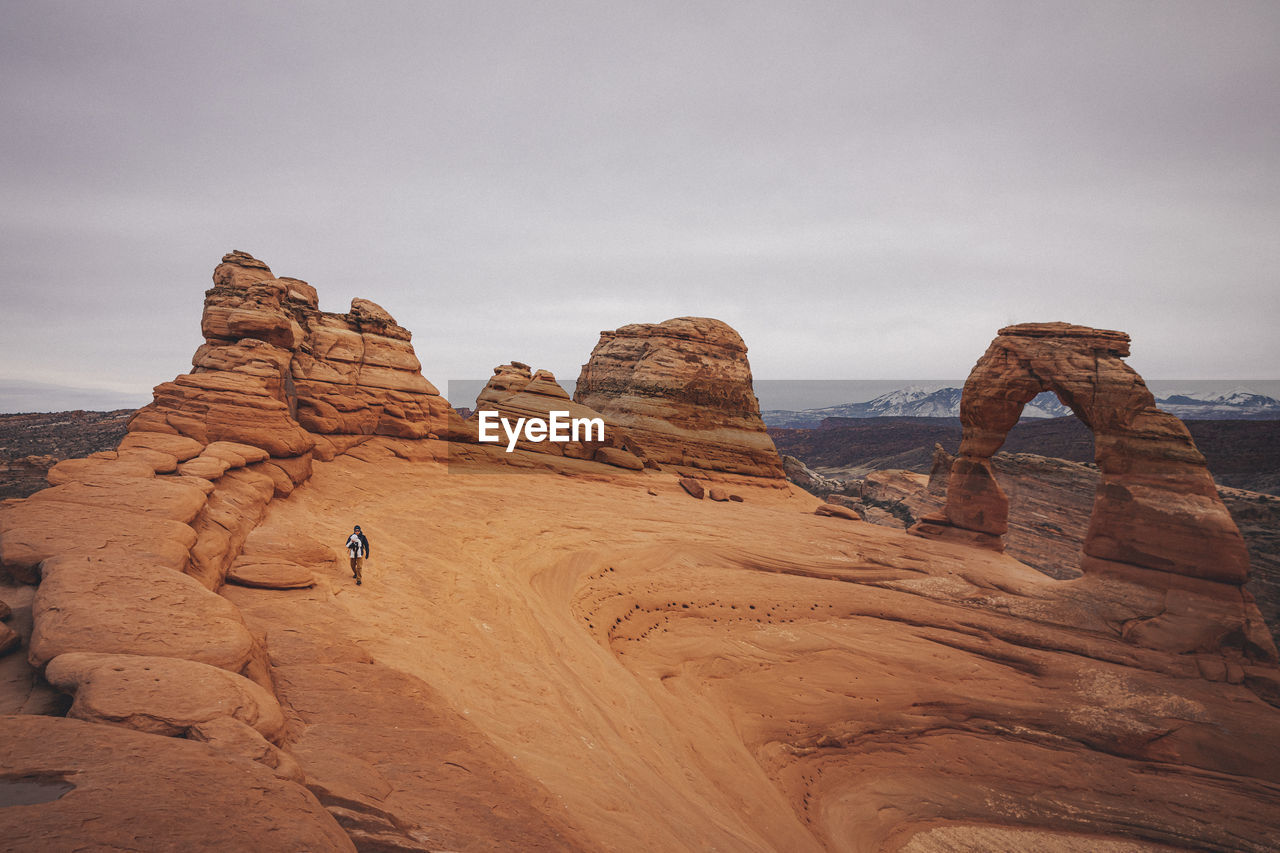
[[357, 550]]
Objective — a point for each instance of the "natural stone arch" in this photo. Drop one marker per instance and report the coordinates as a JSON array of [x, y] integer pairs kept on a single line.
[[1156, 506]]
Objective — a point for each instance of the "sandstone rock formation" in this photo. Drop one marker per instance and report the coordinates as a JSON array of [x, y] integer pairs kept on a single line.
[[275, 372], [1156, 515], [130, 546], [682, 390], [661, 661], [576, 657]]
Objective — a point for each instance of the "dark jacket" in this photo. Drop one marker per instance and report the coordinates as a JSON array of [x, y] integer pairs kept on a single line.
[[363, 542]]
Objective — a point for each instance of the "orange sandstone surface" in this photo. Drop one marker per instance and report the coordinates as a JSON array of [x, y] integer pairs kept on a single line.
[[660, 673], [574, 652]]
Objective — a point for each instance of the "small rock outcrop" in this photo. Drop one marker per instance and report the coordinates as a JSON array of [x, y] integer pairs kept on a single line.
[[808, 479], [1156, 514], [682, 390]]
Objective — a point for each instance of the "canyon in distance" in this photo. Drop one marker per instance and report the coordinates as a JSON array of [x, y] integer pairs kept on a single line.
[[650, 639]]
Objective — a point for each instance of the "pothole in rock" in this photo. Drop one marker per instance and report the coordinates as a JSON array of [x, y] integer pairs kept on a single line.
[[32, 790]]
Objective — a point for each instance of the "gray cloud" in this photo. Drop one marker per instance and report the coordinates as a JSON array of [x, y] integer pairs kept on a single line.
[[863, 190]]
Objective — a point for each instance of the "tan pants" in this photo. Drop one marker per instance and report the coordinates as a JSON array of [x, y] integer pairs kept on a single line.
[[357, 567]]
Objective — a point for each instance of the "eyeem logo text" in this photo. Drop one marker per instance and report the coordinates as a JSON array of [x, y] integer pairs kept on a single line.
[[559, 427]]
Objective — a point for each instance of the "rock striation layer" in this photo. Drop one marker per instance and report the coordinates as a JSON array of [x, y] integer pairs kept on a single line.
[[1157, 519], [682, 390]]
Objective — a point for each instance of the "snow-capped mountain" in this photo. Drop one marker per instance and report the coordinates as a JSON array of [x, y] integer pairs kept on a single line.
[[909, 402], [915, 402], [1238, 403]]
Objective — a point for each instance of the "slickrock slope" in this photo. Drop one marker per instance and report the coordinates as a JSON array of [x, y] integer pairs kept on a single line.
[[669, 678], [682, 390], [549, 653], [90, 787]]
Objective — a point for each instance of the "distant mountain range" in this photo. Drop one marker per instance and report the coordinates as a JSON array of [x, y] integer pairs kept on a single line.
[[913, 402]]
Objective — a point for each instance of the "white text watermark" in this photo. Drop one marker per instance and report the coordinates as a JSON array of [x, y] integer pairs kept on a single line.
[[559, 427]]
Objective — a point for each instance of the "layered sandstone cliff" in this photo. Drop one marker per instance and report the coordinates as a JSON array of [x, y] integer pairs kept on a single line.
[[276, 372], [682, 390]]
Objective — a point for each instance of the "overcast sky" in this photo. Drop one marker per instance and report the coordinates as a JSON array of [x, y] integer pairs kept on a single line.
[[863, 190]]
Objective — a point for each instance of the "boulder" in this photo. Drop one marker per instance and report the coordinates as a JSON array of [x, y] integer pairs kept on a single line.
[[619, 458], [267, 546], [274, 574], [693, 487], [836, 511]]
